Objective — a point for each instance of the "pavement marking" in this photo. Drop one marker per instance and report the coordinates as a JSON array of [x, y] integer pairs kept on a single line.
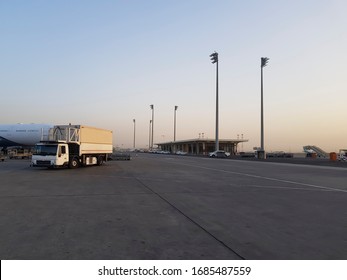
[[304, 165], [263, 177], [278, 188]]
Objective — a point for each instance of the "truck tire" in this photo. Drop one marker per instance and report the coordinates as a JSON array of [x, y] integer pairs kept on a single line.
[[74, 163], [100, 160]]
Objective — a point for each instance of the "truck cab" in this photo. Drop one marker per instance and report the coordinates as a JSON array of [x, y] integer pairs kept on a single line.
[[50, 155]]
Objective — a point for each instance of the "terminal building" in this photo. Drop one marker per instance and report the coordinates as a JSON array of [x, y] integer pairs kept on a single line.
[[201, 146]]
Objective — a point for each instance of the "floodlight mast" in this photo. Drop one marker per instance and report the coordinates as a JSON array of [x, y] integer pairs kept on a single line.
[[134, 121], [264, 61], [214, 59], [176, 107], [152, 108]]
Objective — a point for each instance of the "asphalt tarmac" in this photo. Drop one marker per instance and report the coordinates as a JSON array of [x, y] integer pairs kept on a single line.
[[174, 207]]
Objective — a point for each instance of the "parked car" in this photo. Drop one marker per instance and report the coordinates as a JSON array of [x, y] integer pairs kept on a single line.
[[218, 154], [342, 156]]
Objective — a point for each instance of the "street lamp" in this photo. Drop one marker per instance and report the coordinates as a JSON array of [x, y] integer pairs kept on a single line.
[[134, 130], [261, 153], [152, 108], [214, 58]]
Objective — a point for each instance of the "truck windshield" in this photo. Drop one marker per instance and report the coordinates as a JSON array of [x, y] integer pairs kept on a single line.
[[45, 150]]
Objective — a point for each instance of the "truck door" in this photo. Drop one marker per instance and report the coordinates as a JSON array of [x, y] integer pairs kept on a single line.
[[63, 155]]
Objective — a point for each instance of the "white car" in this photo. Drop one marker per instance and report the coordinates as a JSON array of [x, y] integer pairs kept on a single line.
[[218, 154]]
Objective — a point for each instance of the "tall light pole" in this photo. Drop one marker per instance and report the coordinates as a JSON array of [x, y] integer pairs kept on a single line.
[[264, 61], [214, 58], [152, 108], [174, 145], [134, 131], [149, 135], [175, 123]]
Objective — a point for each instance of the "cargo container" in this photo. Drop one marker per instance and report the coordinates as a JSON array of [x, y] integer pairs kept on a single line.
[[73, 146]]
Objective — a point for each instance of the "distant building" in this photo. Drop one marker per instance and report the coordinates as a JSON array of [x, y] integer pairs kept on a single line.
[[201, 146]]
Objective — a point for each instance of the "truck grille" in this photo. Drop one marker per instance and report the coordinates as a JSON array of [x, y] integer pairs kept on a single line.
[[43, 162]]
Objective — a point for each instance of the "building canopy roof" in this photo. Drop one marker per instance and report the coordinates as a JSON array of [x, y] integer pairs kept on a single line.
[[203, 140]]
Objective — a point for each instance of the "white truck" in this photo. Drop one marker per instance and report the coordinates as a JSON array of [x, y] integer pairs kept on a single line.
[[73, 146]]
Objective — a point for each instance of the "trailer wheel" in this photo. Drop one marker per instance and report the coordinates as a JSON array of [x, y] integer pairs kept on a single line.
[[100, 160], [73, 163]]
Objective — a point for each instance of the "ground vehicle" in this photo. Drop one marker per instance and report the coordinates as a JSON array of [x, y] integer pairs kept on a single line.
[[2, 156], [218, 154], [342, 156], [73, 146], [18, 153]]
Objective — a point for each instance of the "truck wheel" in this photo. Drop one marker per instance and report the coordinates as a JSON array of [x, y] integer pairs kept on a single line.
[[100, 160], [73, 163]]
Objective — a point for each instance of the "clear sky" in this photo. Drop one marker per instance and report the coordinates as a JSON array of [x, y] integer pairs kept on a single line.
[[102, 63]]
